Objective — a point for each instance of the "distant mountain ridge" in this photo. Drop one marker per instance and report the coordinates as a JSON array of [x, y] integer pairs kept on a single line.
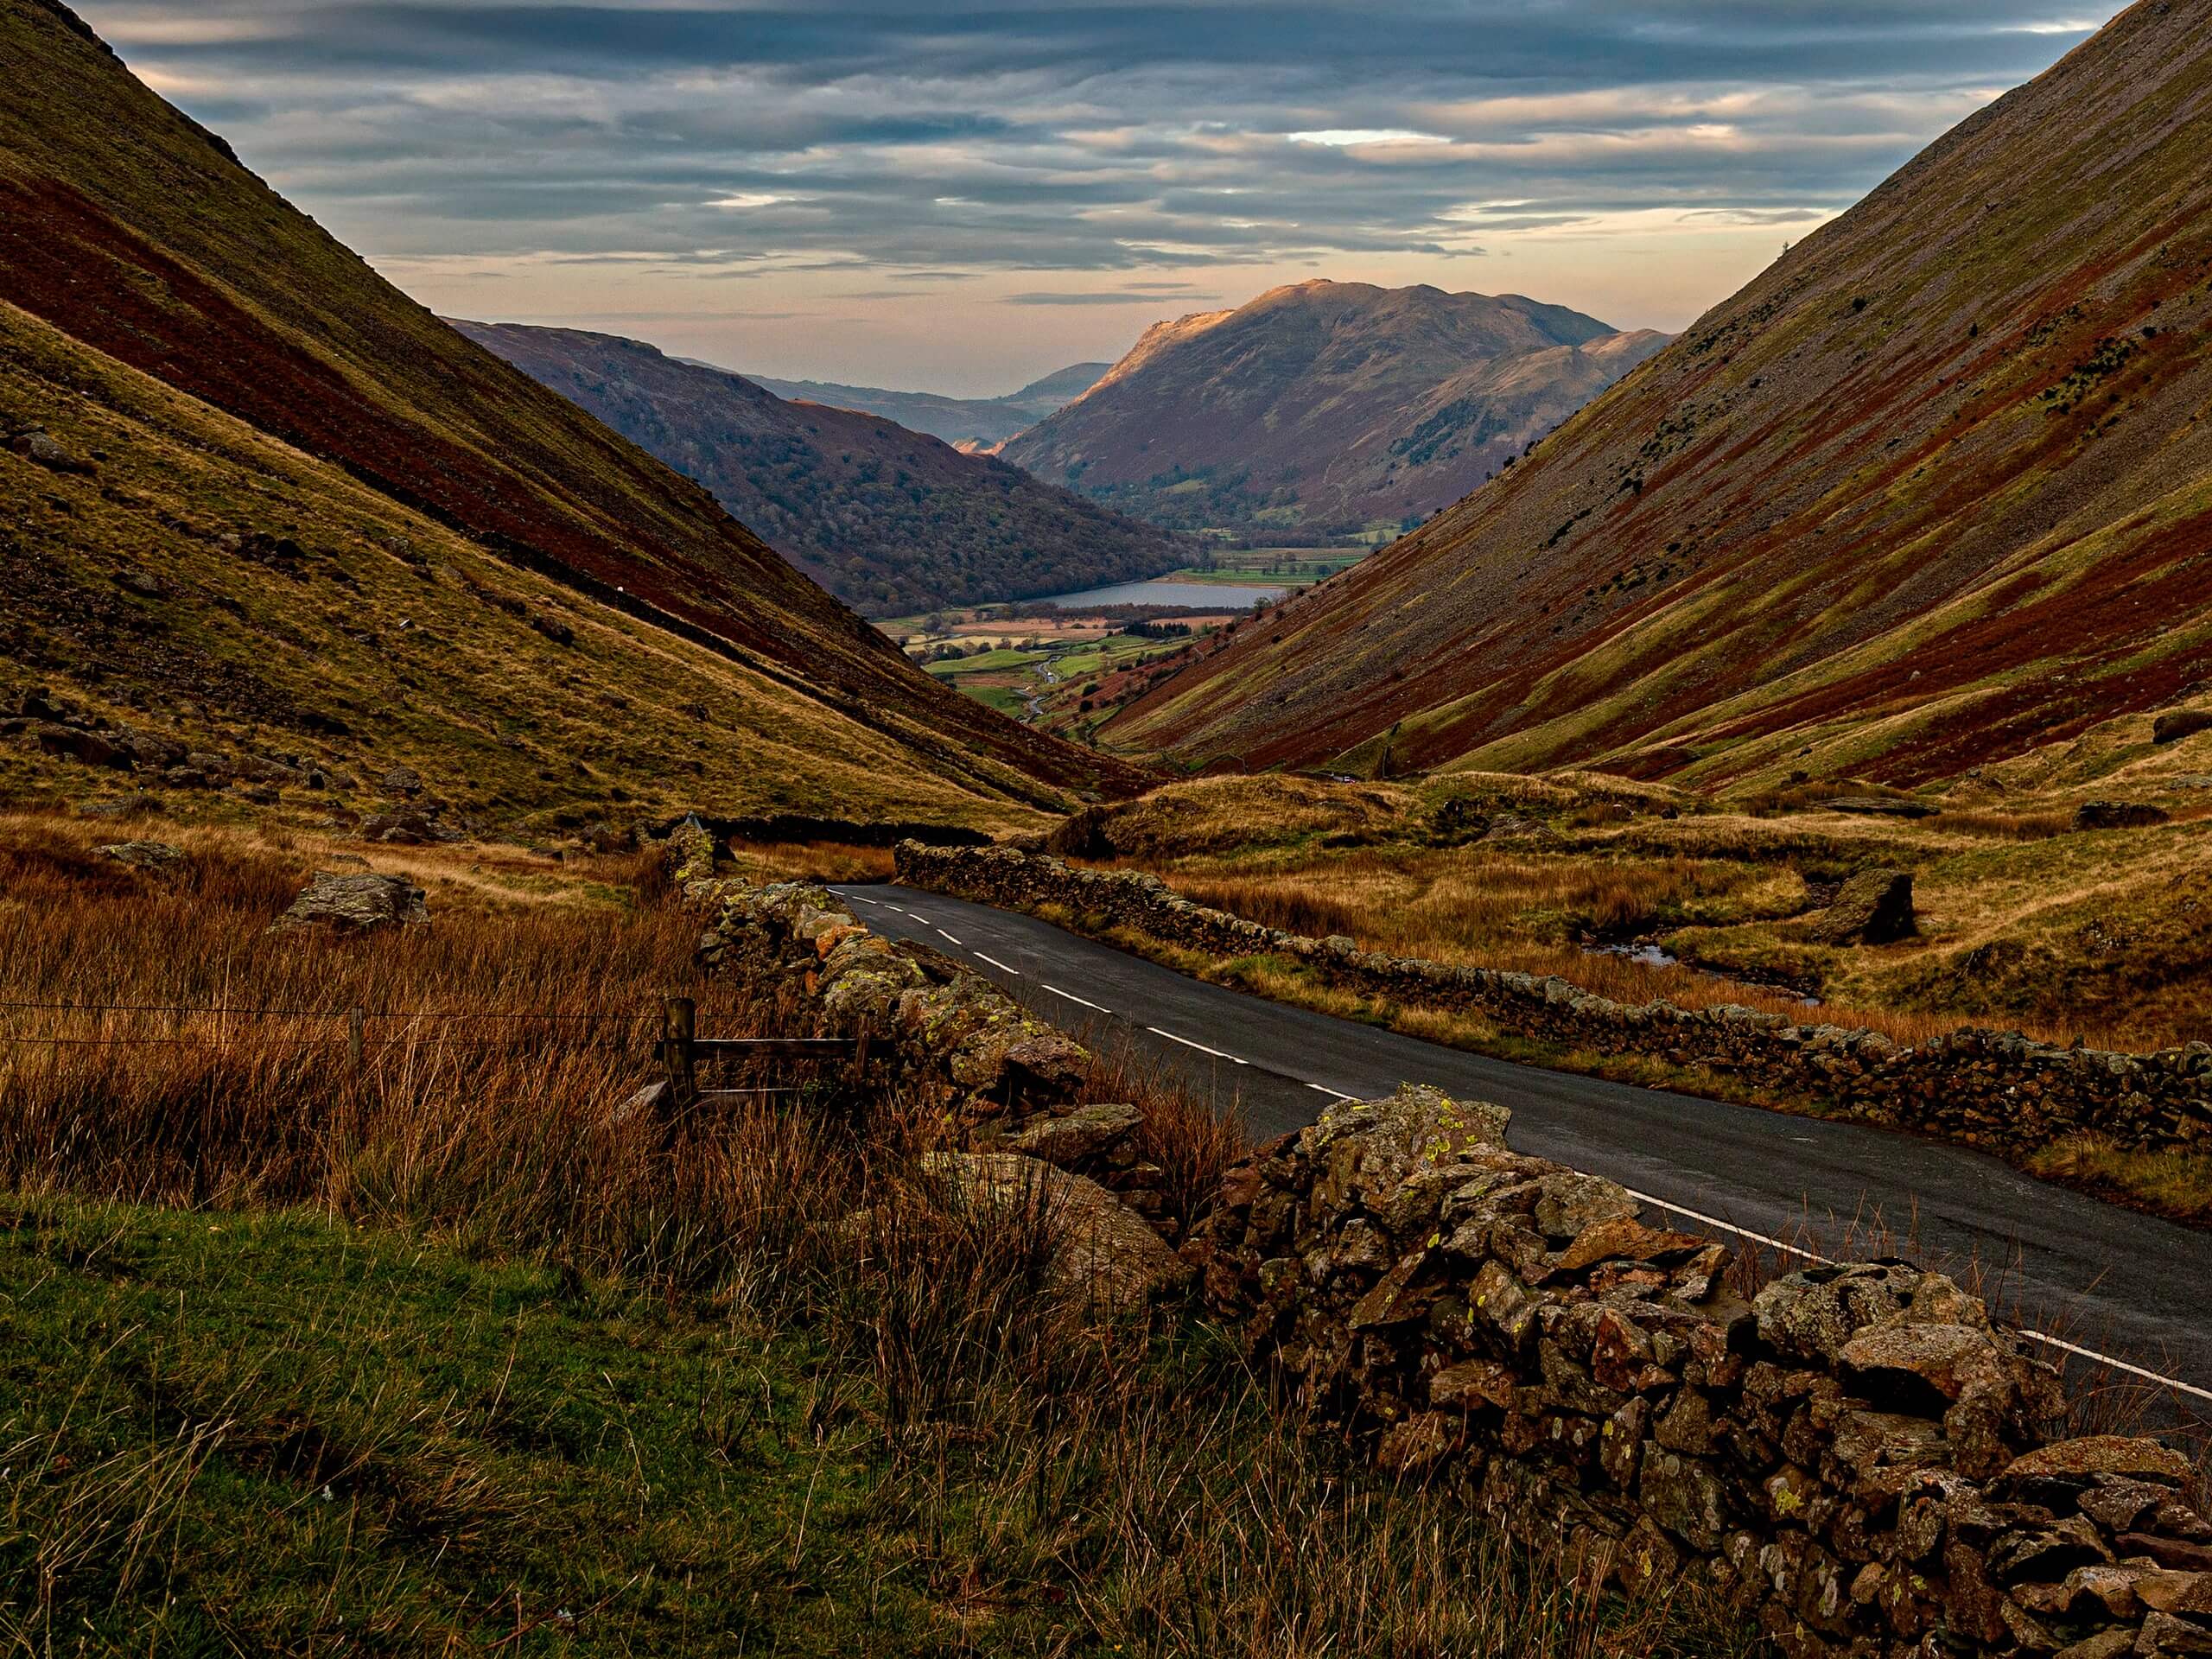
[[1326, 405], [891, 521], [1935, 489], [969, 423]]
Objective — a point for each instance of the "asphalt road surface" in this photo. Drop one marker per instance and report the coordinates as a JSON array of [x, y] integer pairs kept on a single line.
[[2102, 1283]]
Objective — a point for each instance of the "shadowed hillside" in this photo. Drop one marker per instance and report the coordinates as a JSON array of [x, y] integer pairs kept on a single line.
[[891, 521], [1326, 406], [1935, 488], [133, 230]]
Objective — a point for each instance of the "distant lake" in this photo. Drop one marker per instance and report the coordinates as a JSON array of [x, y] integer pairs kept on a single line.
[[1185, 595]]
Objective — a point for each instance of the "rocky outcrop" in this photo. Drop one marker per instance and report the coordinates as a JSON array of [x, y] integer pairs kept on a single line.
[[1856, 1452], [356, 902], [1873, 907], [1981, 1088]]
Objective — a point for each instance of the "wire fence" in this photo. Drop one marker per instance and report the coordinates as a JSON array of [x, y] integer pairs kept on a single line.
[[571, 1028]]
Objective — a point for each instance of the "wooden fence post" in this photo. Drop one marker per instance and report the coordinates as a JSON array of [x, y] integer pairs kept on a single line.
[[679, 1026]]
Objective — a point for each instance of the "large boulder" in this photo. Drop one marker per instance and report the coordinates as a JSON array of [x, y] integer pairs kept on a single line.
[[1106, 1259], [356, 902], [1874, 907], [2183, 723]]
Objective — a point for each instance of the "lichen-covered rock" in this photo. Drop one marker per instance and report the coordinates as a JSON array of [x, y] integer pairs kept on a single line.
[[1079, 1135], [153, 857], [1106, 1258], [356, 902]]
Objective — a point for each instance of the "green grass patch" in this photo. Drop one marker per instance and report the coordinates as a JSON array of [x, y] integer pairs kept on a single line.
[[271, 1433], [1005, 658]]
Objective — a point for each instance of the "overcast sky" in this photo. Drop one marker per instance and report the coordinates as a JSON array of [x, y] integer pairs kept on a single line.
[[933, 193]]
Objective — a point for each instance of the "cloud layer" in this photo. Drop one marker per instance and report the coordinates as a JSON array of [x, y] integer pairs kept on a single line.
[[1079, 165]]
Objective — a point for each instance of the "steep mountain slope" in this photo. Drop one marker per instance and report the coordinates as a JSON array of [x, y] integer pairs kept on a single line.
[[888, 520], [130, 228], [975, 422], [1328, 405], [1936, 487], [194, 611]]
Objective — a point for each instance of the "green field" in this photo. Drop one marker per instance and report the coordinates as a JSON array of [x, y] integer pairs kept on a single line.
[[990, 662]]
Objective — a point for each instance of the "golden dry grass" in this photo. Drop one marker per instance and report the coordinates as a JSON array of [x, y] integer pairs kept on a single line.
[[2024, 923], [1494, 911]]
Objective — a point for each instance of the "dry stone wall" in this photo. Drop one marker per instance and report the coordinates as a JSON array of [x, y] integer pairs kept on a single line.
[[1983, 1088], [1856, 1454], [949, 1041]]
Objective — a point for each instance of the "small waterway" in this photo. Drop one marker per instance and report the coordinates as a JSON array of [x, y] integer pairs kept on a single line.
[[1650, 956], [1183, 595]]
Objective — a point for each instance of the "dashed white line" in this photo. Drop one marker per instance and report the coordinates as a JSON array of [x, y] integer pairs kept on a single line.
[[946, 937], [1072, 997], [1217, 1054], [2074, 1349], [2078, 1352]]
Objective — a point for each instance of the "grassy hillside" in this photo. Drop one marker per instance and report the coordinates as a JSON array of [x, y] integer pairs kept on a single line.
[[266, 619], [1933, 489], [131, 229], [890, 521]]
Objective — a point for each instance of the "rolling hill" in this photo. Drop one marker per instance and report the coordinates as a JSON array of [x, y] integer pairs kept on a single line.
[[1935, 488], [1326, 406], [243, 465], [968, 423], [891, 521]]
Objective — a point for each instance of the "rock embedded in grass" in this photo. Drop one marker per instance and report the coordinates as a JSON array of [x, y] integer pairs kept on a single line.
[[356, 903], [151, 855]]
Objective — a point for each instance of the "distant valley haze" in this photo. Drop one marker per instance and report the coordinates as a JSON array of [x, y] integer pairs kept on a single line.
[[959, 199]]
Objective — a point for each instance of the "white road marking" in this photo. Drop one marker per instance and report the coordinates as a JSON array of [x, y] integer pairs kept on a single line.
[[946, 937], [2078, 1352], [1072, 997], [1217, 1054], [1331, 1093], [996, 963], [857, 899]]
